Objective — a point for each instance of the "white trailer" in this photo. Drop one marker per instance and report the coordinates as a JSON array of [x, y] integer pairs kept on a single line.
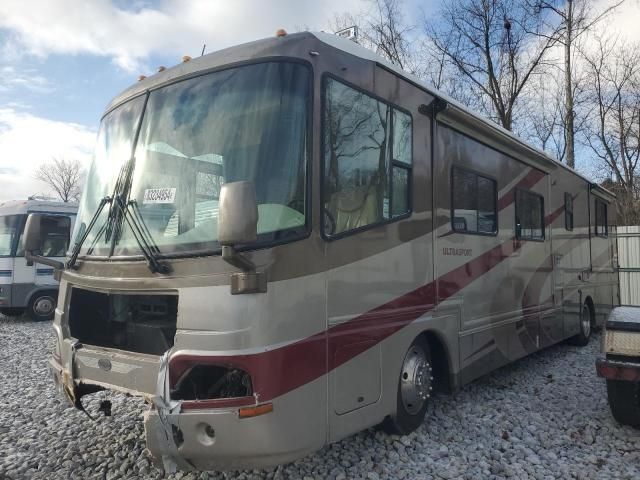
[[24, 285]]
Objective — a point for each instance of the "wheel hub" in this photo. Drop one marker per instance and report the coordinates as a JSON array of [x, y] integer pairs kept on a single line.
[[43, 306], [415, 380]]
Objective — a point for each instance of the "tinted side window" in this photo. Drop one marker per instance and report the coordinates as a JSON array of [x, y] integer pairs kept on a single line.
[[367, 160], [568, 211], [529, 215], [474, 202], [601, 219]]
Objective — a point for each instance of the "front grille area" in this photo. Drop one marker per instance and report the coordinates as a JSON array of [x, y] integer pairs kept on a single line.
[[135, 323]]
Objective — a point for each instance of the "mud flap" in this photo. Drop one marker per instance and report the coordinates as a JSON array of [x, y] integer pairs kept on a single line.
[[170, 457]]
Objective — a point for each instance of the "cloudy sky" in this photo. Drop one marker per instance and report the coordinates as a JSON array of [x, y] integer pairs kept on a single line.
[[61, 61]]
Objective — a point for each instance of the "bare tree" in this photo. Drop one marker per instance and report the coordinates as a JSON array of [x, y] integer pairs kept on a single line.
[[576, 17], [63, 176], [614, 127], [496, 46]]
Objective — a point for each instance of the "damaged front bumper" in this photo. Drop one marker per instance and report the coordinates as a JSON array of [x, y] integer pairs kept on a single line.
[[211, 436]]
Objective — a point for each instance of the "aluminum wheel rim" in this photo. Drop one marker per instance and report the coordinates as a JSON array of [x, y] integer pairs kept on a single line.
[[43, 305], [586, 321], [415, 380]]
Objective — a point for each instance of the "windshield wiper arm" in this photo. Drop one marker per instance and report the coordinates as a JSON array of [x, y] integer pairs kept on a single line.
[[78, 245], [139, 231]]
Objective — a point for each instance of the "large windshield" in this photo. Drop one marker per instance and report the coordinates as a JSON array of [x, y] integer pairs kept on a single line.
[[245, 123], [9, 231]]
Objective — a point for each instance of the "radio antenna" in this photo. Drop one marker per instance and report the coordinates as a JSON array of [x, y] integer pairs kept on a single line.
[[203, 47]]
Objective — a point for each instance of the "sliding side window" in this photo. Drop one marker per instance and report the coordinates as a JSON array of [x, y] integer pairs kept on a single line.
[[529, 215], [367, 160], [568, 211], [474, 203], [601, 219]]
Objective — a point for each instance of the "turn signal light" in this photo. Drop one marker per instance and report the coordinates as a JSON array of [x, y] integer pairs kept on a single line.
[[249, 412]]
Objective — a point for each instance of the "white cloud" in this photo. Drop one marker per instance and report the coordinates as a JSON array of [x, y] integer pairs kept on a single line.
[[99, 27], [12, 78], [27, 140]]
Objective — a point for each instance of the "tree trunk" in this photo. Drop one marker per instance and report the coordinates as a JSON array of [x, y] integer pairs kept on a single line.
[[568, 86]]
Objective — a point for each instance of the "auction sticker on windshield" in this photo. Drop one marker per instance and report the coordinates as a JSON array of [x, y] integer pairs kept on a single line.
[[159, 195]]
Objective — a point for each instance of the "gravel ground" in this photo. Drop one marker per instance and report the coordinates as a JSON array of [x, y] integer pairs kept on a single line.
[[545, 416]]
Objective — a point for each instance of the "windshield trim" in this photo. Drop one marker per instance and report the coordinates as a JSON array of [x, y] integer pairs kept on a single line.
[[289, 235]]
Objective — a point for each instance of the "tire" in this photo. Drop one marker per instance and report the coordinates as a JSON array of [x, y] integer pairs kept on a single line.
[[414, 390], [42, 306], [11, 311], [586, 327], [624, 402]]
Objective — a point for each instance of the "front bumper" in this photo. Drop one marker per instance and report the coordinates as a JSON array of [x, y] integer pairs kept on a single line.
[[618, 370], [214, 438]]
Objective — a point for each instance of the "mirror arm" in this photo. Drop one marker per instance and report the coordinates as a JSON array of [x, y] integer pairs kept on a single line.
[[232, 257], [30, 257]]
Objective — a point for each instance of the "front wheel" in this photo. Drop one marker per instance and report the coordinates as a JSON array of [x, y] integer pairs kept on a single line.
[[42, 306], [582, 339], [624, 402], [414, 390]]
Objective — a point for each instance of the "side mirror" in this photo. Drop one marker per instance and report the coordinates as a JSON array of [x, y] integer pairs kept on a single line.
[[33, 233], [237, 214], [237, 224], [33, 240]]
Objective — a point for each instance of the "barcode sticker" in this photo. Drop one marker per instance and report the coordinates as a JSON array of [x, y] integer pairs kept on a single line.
[[159, 195]]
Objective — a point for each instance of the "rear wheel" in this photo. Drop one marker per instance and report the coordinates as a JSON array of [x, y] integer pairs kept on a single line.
[[624, 402], [586, 324], [42, 306], [414, 390], [11, 311]]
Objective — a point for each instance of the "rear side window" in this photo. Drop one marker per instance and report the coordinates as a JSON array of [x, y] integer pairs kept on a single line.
[[367, 160], [568, 211], [601, 219], [474, 203], [529, 215]]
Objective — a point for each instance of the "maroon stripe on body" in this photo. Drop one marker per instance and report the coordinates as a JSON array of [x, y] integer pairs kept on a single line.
[[283, 369], [528, 181]]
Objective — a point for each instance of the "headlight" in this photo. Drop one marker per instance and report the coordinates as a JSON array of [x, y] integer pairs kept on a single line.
[[623, 343]]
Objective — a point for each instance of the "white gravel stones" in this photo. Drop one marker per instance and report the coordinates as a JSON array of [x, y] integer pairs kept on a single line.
[[545, 417]]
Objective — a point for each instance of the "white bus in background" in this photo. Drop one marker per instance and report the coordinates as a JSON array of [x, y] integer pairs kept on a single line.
[[26, 286]]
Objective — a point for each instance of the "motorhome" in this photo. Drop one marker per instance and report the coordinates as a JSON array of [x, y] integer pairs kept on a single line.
[[285, 242], [25, 287]]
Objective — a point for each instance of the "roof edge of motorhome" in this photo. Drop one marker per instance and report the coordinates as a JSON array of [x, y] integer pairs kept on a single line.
[[456, 114], [18, 207]]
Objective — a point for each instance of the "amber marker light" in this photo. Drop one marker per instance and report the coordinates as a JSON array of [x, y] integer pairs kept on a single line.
[[186, 59], [141, 77], [162, 68], [281, 32], [258, 410]]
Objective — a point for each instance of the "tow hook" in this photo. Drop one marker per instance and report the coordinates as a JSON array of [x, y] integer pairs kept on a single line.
[[105, 407]]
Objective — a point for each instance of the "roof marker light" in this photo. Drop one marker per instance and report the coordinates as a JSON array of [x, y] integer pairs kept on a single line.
[[141, 77], [281, 32], [186, 58], [161, 68]]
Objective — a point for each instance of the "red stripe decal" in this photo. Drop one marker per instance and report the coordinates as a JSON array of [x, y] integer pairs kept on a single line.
[[529, 180], [278, 371]]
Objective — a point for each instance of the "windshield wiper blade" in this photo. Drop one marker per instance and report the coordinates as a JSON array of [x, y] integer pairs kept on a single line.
[[79, 243], [144, 240]]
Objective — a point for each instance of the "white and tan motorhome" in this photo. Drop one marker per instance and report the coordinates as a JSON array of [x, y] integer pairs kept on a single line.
[[24, 286], [288, 241]]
